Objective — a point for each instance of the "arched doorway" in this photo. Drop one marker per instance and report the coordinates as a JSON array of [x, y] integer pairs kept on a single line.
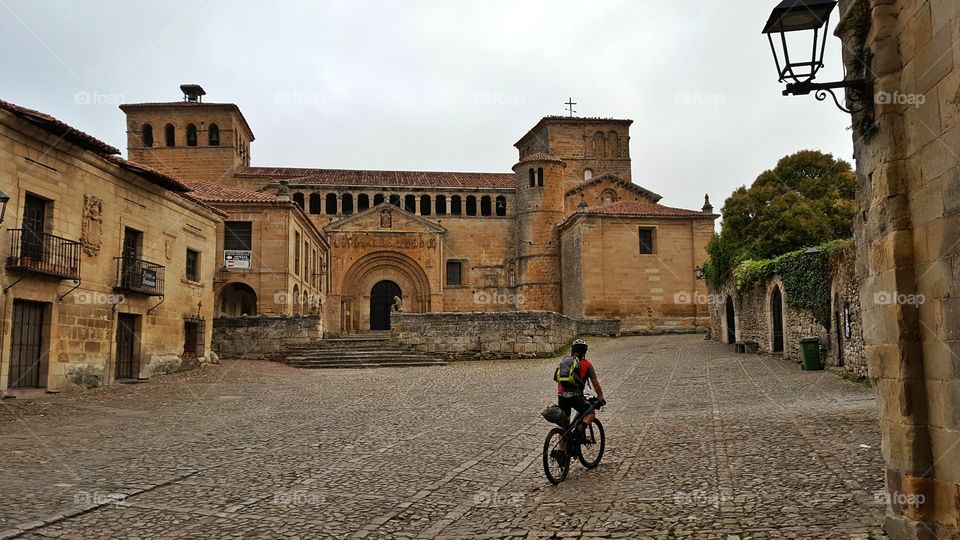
[[359, 280], [237, 299], [381, 302], [838, 327], [776, 316], [731, 322]]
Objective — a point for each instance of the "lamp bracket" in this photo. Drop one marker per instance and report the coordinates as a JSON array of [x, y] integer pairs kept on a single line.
[[856, 87]]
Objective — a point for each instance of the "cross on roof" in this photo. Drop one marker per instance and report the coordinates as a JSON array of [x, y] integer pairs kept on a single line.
[[570, 103]]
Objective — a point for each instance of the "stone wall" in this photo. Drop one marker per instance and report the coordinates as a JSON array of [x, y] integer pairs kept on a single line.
[[493, 335], [846, 320], [263, 337]]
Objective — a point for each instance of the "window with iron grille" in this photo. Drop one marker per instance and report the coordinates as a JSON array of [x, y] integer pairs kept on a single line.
[[238, 235], [193, 331], [193, 265], [646, 241], [454, 273]]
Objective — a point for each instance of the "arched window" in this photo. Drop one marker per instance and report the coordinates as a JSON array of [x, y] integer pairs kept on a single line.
[[441, 205], [608, 196], [424, 205], [471, 205], [485, 206], [501, 205], [346, 204], [377, 199], [146, 135], [295, 300], [410, 203], [168, 135], [395, 200], [613, 144], [191, 135], [331, 204], [298, 198], [599, 145], [587, 174], [213, 135], [456, 205], [540, 177], [533, 179], [314, 203], [363, 202]]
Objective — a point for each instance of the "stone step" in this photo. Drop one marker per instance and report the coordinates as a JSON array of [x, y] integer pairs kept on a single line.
[[356, 352], [365, 365]]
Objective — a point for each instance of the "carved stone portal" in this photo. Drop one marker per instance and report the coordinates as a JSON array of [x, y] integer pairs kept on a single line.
[[91, 236]]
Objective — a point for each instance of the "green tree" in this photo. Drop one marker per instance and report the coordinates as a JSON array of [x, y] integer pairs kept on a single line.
[[806, 200]]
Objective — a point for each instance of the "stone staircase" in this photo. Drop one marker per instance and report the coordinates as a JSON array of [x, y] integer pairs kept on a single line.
[[357, 352]]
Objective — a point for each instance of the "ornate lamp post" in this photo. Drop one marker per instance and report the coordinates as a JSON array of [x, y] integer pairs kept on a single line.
[[799, 71]]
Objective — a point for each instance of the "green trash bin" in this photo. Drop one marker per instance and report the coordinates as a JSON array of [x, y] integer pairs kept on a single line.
[[811, 353]]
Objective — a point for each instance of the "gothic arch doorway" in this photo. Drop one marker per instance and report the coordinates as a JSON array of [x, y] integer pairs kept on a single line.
[[381, 303], [776, 316]]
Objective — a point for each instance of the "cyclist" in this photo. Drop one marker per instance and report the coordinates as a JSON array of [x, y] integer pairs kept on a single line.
[[570, 393]]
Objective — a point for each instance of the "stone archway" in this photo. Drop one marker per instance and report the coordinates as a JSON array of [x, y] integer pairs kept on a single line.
[[236, 299], [381, 303], [360, 279], [776, 320]]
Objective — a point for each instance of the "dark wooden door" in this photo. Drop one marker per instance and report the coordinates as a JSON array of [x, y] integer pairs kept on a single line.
[[132, 240], [839, 328], [34, 217], [731, 322], [126, 346], [776, 314], [381, 303], [26, 345]]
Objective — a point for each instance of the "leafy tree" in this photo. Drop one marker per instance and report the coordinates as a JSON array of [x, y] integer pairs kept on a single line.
[[806, 200]]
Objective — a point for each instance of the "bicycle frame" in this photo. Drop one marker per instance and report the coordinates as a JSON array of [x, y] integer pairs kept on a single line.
[[577, 420]]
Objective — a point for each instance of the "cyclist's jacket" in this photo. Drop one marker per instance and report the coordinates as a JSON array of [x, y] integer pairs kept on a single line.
[[585, 372]]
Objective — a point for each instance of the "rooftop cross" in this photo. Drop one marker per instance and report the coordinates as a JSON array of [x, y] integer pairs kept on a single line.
[[570, 103]]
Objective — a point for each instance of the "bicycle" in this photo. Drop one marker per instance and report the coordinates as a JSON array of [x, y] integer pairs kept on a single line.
[[589, 451]]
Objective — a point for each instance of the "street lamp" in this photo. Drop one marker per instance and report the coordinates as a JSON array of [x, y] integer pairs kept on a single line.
[[223, 275], [4, 199], [800, 71]]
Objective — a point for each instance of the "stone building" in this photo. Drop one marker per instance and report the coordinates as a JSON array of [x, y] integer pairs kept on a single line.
[[908, 254], [567, 231], [108, 262]]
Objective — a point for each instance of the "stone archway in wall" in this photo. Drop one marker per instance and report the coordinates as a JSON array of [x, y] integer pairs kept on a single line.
[[236, 299], [374, 268]]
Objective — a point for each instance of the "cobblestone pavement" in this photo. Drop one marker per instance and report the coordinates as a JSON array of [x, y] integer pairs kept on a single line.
[[702, 443]]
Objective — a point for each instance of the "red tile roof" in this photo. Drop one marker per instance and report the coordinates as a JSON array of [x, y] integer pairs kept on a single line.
[[216, 193], [540, 156], [48, 123], [335, 177], [198, 104], [643, 209]]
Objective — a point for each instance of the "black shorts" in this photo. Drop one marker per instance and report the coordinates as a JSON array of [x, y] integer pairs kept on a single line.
[[577, 403]]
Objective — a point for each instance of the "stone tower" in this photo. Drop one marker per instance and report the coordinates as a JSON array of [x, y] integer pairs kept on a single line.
[[540, 189], [189, 139]]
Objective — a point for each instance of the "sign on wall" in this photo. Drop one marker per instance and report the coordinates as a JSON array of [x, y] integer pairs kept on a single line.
[[235, 258]]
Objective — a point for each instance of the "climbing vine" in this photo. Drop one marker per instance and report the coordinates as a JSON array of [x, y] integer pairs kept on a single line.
[[806, 275], [855, 26]]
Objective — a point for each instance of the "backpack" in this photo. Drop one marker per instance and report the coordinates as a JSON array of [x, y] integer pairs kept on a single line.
[[568, 373]]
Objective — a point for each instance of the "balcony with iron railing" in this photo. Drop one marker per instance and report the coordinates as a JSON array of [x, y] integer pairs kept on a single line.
[[139, 276], [44, 253]]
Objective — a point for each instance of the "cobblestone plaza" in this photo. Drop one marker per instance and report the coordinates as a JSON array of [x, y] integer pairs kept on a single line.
[[701, 443]]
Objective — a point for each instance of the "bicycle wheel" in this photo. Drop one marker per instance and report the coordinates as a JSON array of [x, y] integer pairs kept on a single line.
[[556, 462], [591, 450]]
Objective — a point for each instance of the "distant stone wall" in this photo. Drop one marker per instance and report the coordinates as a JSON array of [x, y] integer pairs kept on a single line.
[[846, 315], [263, 336], [493, 335]]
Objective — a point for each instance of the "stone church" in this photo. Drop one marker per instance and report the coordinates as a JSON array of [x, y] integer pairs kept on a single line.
[[567, 230]]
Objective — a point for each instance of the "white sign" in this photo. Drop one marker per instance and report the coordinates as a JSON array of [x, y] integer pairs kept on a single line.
[[235, 258]]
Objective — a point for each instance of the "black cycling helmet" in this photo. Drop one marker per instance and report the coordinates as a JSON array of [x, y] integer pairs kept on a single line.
[[579, 347]]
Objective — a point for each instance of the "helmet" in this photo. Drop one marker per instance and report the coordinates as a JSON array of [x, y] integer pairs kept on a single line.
[[579, 346]]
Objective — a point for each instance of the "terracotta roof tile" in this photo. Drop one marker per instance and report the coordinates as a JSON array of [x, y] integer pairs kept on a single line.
[[643, 209], [49, 123], [540, 156], [214, 193], [336, 177]]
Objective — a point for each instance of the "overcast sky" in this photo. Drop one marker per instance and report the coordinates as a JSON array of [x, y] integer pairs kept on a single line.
[[435, 85]]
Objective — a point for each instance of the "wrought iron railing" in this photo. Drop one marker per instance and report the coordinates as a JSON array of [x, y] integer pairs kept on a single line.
[[44, 253], [139, 276]]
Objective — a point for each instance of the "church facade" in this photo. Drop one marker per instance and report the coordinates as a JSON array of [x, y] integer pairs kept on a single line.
[[566, 230]]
